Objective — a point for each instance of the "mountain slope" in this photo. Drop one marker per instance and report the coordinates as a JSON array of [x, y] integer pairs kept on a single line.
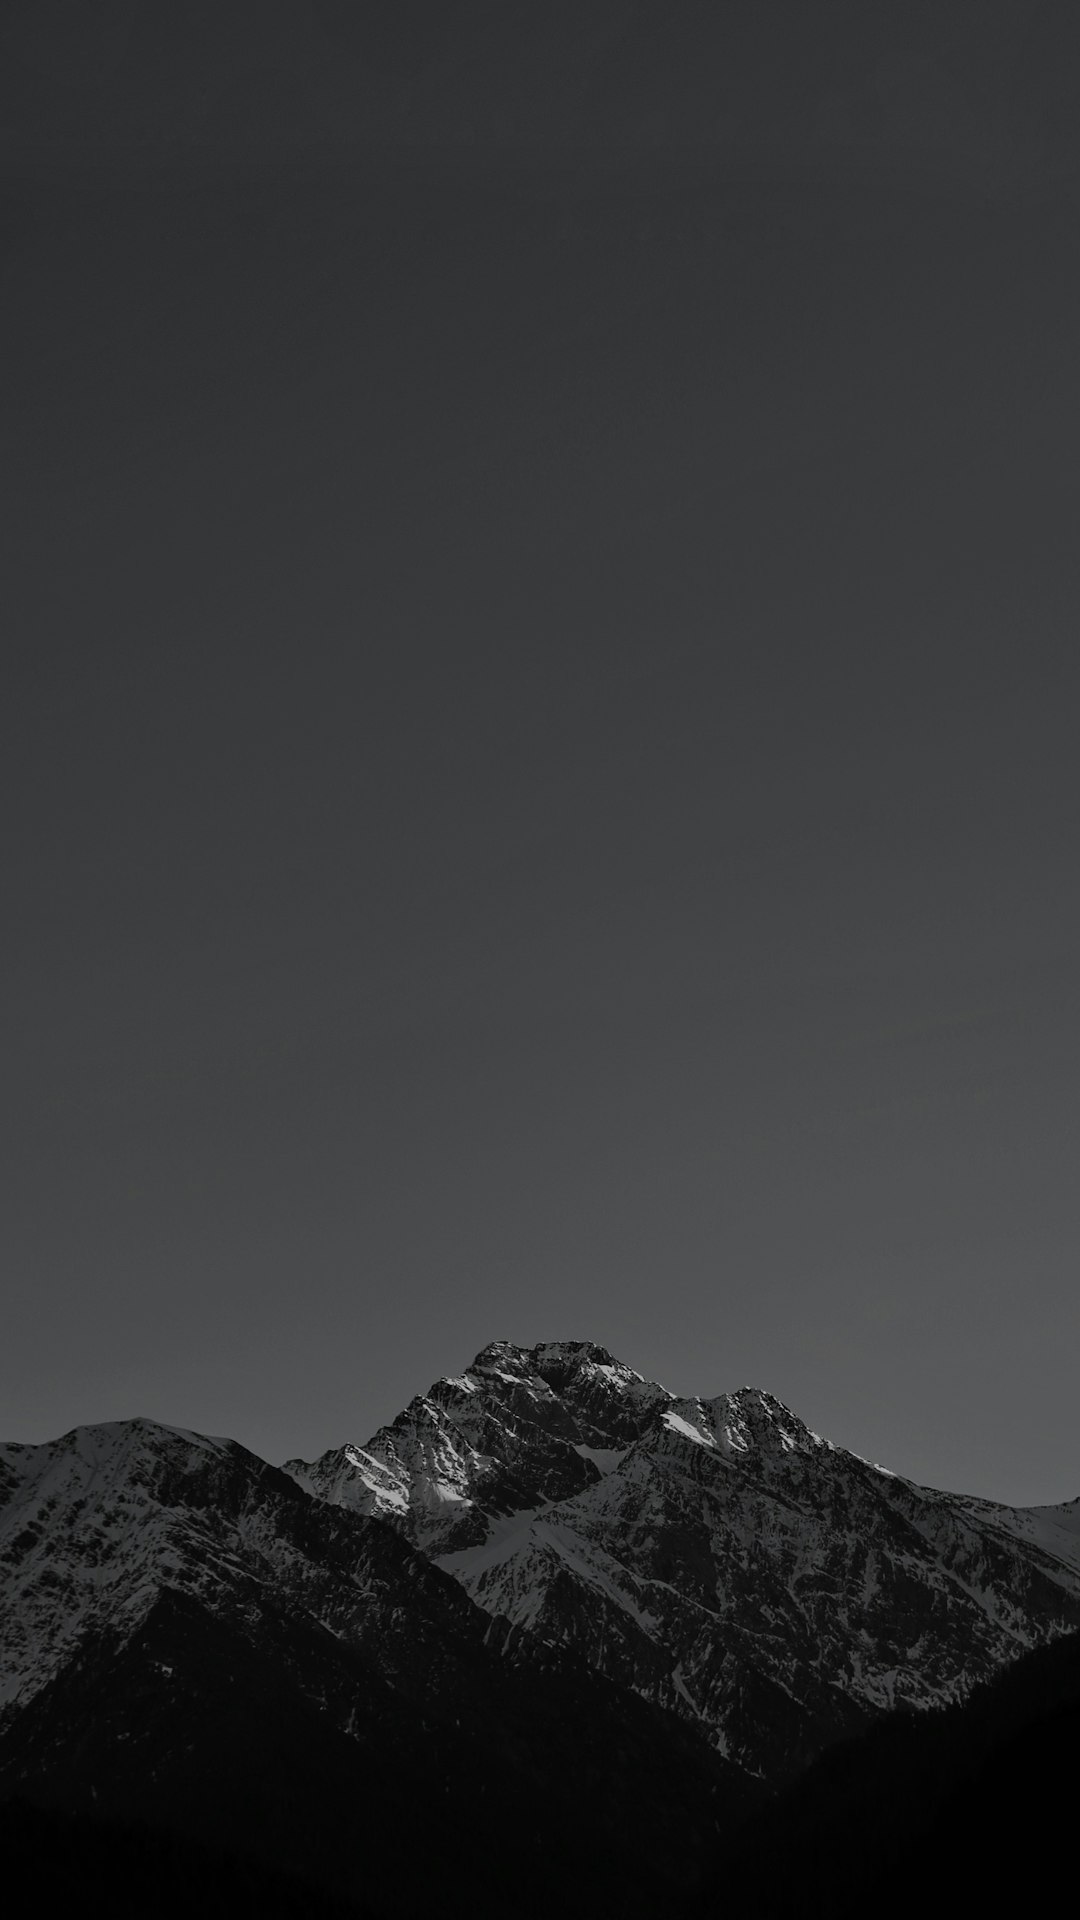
[[190, 1639], [97, 1526], [715, 1556]]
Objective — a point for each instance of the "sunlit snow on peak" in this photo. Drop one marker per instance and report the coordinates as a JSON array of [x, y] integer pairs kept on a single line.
[[676, 1423]]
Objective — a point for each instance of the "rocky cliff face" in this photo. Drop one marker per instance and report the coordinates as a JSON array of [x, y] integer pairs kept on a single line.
[[516, 1429], [714, 1556]]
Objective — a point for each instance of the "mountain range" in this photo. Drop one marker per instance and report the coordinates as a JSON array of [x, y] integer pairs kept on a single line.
[[553, 1612]]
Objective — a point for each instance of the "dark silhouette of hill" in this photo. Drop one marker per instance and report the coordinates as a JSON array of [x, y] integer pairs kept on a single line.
[[972, 1807], [547, 1784], [57, 1862]]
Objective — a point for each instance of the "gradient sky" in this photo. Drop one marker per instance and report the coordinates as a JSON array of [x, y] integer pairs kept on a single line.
[[539, 712]]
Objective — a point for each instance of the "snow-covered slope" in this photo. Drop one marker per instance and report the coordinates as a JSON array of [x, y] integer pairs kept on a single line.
[[715, 1556], [1053, 1530], [97, 1526]]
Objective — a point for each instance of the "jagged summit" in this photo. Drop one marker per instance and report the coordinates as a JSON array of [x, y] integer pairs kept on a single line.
[[744, 1422], [580, 1351], [558, 1363], [521, 1427]]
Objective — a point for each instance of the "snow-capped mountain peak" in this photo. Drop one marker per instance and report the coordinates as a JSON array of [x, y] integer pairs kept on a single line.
[[716, 1554]]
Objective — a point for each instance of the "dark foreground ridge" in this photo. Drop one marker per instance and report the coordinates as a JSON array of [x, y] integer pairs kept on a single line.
[[970, 1810], [57, 1863]]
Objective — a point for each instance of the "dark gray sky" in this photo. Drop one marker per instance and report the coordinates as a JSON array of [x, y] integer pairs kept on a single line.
[[539, 712]]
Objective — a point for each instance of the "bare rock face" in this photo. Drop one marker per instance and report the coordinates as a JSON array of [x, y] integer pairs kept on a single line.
[[516, 1429], [714, 1556]]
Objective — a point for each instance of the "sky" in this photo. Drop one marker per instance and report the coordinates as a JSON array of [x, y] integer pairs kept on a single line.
[[538, 712]]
